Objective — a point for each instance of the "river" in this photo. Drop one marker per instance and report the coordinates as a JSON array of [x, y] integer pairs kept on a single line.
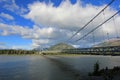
[[37, 67]]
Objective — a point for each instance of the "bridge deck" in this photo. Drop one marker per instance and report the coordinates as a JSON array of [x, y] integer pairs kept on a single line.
[[94, 50]]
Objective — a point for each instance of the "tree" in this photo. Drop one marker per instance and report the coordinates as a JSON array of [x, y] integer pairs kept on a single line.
[[96, 68]]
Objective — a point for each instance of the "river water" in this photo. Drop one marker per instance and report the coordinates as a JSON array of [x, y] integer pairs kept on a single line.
[[36, 67]]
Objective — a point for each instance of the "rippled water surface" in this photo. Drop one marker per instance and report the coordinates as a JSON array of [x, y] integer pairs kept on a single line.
[[36, 67]]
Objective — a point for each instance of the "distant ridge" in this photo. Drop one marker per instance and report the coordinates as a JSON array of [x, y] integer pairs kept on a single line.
[[111, 42], [61, 46]]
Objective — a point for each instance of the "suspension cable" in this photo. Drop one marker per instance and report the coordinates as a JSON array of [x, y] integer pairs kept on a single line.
[[91, 20], [98, 26]]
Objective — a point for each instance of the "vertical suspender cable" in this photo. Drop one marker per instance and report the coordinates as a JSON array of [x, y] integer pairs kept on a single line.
[[103, 26], [108, 36], [116, 30], [93, 38]]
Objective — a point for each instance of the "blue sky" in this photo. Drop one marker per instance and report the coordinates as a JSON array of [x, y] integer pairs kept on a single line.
[[29, 24]]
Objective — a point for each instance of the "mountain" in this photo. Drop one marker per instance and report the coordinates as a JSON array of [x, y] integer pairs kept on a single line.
[[112, 42], [61, 46]]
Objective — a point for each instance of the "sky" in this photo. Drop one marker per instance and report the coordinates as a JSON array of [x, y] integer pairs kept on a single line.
[[31, 24]]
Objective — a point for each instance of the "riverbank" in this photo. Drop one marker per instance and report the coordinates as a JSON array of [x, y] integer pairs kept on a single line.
[[29, 52], [106, 74], [56, 54]]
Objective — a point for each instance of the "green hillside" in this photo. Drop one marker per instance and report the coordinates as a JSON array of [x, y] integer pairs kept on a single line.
[[61, 46]]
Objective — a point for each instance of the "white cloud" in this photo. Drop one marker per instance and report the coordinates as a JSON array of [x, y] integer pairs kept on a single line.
[[69, 17], [39, 36], [7, 16], [14, 29], [65, 16], [59, 24], [12, 6], [21, 47]]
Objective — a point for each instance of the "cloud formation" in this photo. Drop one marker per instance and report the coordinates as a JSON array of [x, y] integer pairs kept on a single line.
[[6, 16], [40, 36], [58, 24], [12, 6], [66, 15], [71, 17]]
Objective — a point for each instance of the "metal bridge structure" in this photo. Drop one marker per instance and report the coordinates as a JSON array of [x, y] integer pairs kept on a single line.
[[104, 50], [108, 50]]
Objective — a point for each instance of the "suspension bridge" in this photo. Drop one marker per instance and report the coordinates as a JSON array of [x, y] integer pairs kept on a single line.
[[90, 35]]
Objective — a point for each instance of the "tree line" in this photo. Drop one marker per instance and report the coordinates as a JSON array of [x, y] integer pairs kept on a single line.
[[12, 51]]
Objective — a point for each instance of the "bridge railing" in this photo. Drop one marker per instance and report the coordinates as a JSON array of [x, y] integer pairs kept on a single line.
[[94, 50]]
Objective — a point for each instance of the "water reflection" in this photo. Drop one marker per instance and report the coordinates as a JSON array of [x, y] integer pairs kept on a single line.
[[85, 63], [31, 68], [51, 67], [64, 67]]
